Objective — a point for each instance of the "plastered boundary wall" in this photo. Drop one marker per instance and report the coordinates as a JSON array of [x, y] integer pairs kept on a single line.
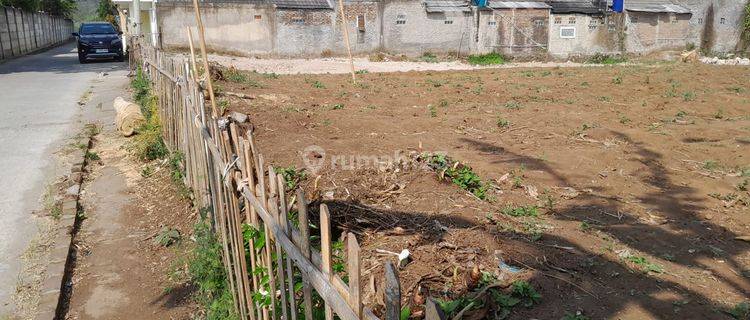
[[404, 27], [24, 32]]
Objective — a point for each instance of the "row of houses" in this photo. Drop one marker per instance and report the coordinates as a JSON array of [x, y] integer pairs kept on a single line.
[[560, 28]]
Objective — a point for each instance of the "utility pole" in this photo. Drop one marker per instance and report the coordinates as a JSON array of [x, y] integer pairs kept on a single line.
[[136, 17]]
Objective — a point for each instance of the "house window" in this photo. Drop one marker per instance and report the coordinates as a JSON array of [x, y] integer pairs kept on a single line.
[[491, 23], [539, 23], [568, 32], [258, 17], [594, 23], [401, 19], [723, 20], [558, 20], [298, 21], [361, 22], [448, 22], [572, 20], [700, 20]]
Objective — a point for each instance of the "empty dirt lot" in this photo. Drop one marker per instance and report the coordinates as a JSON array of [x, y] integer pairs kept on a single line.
[[634, 177]]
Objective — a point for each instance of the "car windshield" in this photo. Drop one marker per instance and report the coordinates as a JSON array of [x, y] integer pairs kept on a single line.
[[97, 29]]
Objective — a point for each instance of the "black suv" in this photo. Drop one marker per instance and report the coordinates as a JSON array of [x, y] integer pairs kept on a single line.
[[98, 40]]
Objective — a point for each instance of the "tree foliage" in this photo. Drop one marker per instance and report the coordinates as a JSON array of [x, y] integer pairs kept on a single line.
[[53, 7], [106, 11]]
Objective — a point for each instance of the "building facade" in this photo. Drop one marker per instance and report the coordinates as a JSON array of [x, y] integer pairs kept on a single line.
[[583, 28], [513, 28], [560, 28]]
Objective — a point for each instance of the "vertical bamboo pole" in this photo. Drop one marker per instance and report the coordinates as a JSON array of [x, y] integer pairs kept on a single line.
[[346, 40], [192, 54], [251, 217], [274, 205], [325, 250], [354, 274], [260, 193], [286, 227], [202, 37], [267, 247], [232, 228], [304, 246]]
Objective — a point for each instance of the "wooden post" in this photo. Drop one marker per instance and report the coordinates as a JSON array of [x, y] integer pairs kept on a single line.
[[304, 246], [202, 37], [325, 250], [284, 221], [346, 40], [352, 255], [432, 311], [392, 293]]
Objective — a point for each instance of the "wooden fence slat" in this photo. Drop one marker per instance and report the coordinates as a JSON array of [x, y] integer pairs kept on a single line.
[[306, 268], [267, 247], [325, 250], [432, 311], [274, 205], [354, 272], [392, 293], [284, 221], [304, 246], [218, 162]]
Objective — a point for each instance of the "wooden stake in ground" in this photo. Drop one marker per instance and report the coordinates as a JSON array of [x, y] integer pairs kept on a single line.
[[202, 37], [346, 39], [192, 54]]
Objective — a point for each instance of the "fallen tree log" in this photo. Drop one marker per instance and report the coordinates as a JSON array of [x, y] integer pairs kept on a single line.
[[128, 117]]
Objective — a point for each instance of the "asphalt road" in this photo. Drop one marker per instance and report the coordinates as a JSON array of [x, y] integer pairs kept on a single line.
[[39, 110]]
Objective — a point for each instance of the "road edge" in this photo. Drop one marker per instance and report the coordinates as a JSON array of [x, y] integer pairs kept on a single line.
[[62, 257], [37, 51]]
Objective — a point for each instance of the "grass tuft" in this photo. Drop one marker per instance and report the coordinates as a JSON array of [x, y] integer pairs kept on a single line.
[[486, 59]]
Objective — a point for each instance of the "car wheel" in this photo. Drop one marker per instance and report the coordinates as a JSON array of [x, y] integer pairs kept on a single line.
[[81, 58], [120, 58]]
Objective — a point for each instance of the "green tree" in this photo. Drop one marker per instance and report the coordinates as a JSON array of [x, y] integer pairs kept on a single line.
[[106, 11], [54, 7]]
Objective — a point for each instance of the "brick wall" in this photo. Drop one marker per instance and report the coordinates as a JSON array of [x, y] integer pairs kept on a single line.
[[513, 31], [647, 32]]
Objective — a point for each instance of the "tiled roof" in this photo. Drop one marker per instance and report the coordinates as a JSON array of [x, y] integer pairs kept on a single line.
[[655, 6], [518, 5], [301, 4], [446, 6], [576, 6]]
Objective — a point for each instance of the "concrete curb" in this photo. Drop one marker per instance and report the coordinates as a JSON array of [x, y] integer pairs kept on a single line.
[[61, 259]]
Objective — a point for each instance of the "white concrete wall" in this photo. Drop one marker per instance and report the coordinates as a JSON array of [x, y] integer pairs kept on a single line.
[[705, 24], [23, 32], [592, 35], [229, 27], [425, 32]]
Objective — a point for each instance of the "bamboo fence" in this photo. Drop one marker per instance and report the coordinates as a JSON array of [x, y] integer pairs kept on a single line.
[[228, 175]]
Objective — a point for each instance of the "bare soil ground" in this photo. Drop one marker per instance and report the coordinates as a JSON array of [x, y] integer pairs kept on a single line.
[[120, 271], [636, 171]]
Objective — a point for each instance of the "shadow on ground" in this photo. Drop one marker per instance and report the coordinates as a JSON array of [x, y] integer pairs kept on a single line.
[[572, 277]]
